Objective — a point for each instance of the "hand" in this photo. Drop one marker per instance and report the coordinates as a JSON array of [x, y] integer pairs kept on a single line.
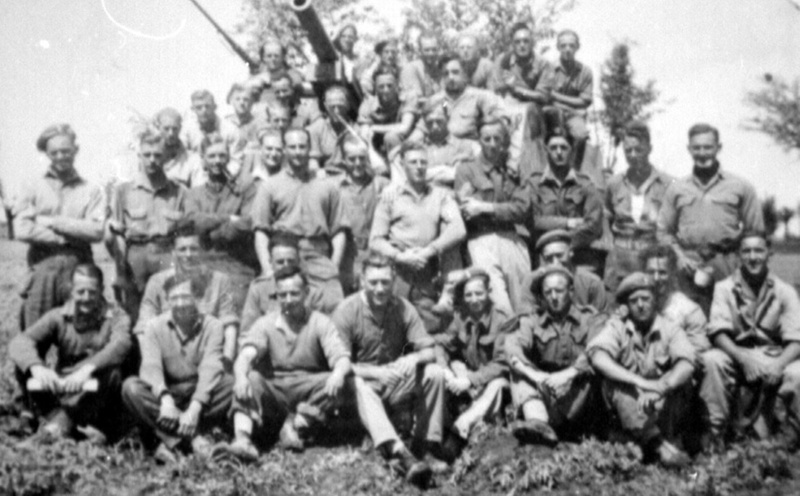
[[458, 385], [772, 371], [73, 383], [574, 224], [334, 385], [472, 208], [412, 258], [754, 367], [647, 401], [659, 387], [168, 414], [388, 377], [241, 388], [187, 423], [560, 382], [48, 378], [407, 364]]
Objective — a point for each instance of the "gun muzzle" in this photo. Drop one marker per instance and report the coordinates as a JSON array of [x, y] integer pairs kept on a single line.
[[320, 42]]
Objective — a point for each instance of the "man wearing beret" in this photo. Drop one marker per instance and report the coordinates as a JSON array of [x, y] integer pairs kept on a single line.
[[551, 378], [755, 329], [646, 363]]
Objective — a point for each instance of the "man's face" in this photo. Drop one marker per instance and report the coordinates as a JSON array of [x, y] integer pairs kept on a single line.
[[658, 269], [429, 51], [555, 253], [187, 253], [494, 142], [170, 127], [61, 151], [282, 89], [182, 303], [476, 297], [377, 283], [415, 164], [284, 256], [347, 40], [556, 293], [297, 149], [291, 293], [454, 78], [567, 46], [204, 109], [436, 125], [754, 254], [215, 159], [336, 104], [523, 43], [389, 54], [386, 89], [272, 152], [241, 102], [559, 151], [636, 151], [704, 149], [151, 157], [356, 160], [272, 56], [642, 306], [468, 49], [87, 294]]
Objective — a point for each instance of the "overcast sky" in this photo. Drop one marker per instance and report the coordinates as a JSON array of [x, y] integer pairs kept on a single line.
[[95, 63]]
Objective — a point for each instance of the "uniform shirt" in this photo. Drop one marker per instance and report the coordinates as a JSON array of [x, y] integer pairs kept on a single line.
[[316, 347], [307, 206], [372, 111], [533, 74], [105, 343], [247, 129], [169, 357], [417, 80], [717, 213], [184, 168], [486, 182], [649, 356], [771, 318], [467, 111], [479, 73], [217, 299], [375, 342], [690, 317], [619, 194], [360, 201], [542, 343], [554, 203], [576, 83], [587, 290], [262, 299], [404, 219], [324, 145], [76, 206], [192, 134], [450, 152], [145, 213], [479, 344]]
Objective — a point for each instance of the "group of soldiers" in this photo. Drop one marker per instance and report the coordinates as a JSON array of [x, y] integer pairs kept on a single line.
[[417, 269]]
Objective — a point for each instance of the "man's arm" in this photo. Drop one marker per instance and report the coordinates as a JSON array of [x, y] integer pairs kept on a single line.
[[211, 369], [119, 344], [262, 252], [381, 223], [452, 229], [89, 228], [28, 348], [151, 370], [602, 362], [592, 226], [751, 214], [30, 227]]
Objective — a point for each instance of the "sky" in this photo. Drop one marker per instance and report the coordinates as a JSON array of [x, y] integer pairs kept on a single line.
[[98, 63]]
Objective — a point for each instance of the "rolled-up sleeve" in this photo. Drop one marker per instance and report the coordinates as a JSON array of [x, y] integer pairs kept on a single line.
[[452, 228], [28, 348], [331, 342], [261, 211]]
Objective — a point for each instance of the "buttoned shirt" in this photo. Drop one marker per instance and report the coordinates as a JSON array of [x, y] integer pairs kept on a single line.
[[324, 145], [405, 219], [184, 168], [315, 347], [715, 214], [544, 343], [496, 184], [771, 318], [417, 79], [451, 152], [619, 195], [479, 72], [690, 317], [553, 203], [262, 299], [534, 74], [104, 342], [371, 340], [217, 299], [479, 344], [360, 201], [144, 212], [587, 290], [75, 206], [372, 111], [192, 134], [651, 355], [575, 82], [308, 206], [467, 110], [170, 357]]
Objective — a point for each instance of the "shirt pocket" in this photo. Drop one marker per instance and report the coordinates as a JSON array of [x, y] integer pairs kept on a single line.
[[573, 202], [136, 219], [579, 335], [728, 201]]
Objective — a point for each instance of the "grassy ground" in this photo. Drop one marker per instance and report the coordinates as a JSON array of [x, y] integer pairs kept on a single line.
[[493, 465]]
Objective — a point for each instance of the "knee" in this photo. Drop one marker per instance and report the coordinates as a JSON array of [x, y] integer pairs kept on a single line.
[[715, 361], [434, 373], [133, 388], [791, 377]]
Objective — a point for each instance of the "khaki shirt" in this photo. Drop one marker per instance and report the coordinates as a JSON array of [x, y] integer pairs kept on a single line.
[[479, 344], [372, 111], [262, 299], [360, 201], [619, 193], [587, 290], [145, 213], [324, 145], [416, 80], [468, 110], [575, 83], [534, 74], [690, 317]]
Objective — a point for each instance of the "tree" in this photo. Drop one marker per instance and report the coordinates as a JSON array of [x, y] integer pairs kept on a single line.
[[623, 99], [786, 214], [770, 213], [778, 111]]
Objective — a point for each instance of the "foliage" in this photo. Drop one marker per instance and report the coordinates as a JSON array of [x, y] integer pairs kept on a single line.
[[778, 111]]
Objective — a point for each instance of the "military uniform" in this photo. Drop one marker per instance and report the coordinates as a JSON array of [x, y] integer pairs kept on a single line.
[[262, 299], [587, 290]]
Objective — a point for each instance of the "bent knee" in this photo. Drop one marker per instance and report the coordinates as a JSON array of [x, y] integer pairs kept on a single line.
[[433, 372], [715, 360]]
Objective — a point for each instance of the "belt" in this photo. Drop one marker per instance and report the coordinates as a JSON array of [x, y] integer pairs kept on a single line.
[[633, 243]]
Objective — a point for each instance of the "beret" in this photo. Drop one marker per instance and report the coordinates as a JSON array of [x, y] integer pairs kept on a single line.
[[552, 236], [542, 272], [633, 282]]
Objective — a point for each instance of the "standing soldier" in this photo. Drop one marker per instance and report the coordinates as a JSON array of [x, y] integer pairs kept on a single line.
[[479, 69], [422, 78], [177, 163], [60, 215]]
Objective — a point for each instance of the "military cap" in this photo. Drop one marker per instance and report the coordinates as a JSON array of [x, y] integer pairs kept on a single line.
[[542, 272], [553, 236], [633, 282]]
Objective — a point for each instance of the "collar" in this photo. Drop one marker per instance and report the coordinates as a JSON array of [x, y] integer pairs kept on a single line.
[[573, 315], [72, 178], [196, 328], [655, 176], [513, 60], [217, 188], [719, 176], [408, 189], [655, 332], [393, 301], [282, 324], [548, 175], [143, 182], [307, 177], [560, 68]]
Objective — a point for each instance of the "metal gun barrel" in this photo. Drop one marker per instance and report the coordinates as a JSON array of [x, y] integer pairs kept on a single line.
[[322, 44]]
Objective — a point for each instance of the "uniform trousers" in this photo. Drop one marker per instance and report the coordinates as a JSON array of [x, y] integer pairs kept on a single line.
[[504, 256]]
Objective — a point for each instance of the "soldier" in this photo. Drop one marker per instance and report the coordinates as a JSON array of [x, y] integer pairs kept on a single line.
[[325, 133], [414, 224], [59, 215], [273, 59], [264, 162], [422, 78], [310, 208], [182, 389], [755, 328], [633, 200], [92, 340], [587, 288], [704, 215], [144, 214], [303, 111], [486, 189], [290, 372], [177, 165], [387, 52], [478, 69], [344, 42], [552, 384], [240, 99], [388, 115], [204, 121], [646, 363]]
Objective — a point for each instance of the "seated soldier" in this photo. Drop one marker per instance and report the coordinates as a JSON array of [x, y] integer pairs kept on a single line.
[[92, 340], [204, 121], [291, 369], [423, 77], [755, 328], [389, 115], [552, 384], [177, 165], [262, 297], [646, 363], [479, 69], [325, 133], [273, 58], [217, 297], [588, 289], [182, 389], [285, 95], [240, 98], [387, 52], [265, 161], [474, 346]]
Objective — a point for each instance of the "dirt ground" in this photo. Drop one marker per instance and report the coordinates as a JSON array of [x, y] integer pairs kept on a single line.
[[494, 464]]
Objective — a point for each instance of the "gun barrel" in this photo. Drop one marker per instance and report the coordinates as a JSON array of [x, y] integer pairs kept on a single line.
[[322, 44]]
